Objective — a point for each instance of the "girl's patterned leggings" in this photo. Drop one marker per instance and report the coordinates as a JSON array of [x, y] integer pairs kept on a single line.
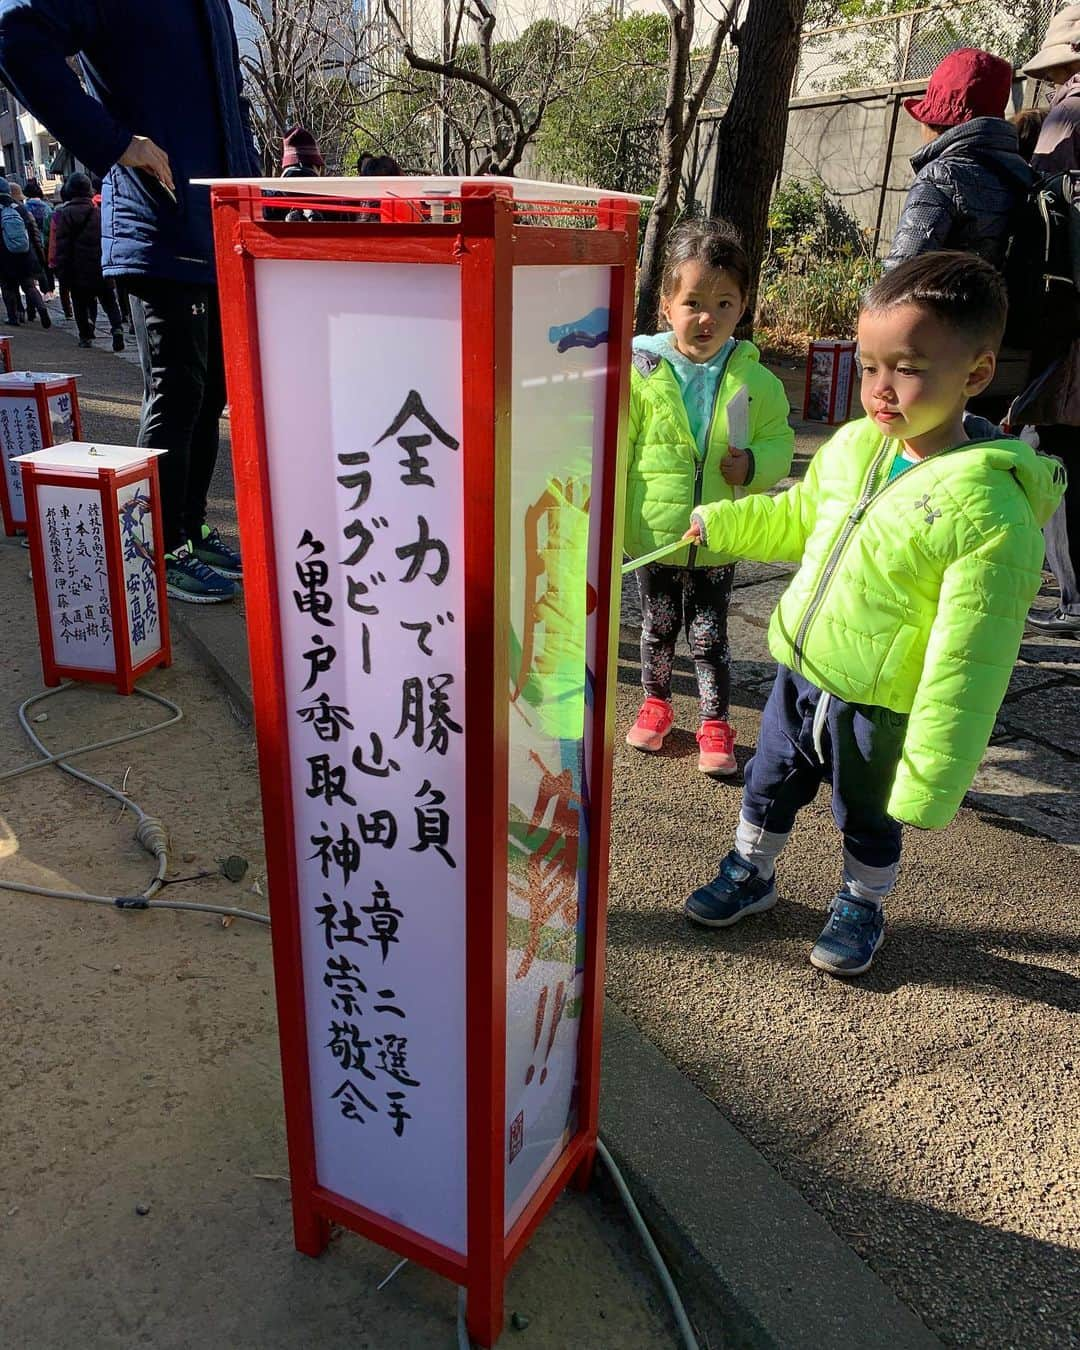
[[696, 597]]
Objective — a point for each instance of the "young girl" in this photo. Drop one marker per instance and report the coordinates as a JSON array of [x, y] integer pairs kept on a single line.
[[683, 384]]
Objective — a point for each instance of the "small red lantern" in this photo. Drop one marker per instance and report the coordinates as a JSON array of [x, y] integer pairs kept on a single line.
[[93, 514], [36, 410], [6, 364], [830, 380]]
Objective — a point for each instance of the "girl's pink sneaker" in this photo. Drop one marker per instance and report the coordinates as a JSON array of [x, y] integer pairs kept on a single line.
[[655, 719], [716, 749]]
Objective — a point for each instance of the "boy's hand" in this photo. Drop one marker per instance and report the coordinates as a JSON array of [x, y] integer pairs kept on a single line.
[[735, 466], [693, 534]]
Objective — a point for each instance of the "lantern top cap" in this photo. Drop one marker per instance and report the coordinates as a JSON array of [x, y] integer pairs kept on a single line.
[[435, 186], [19, 379], [87, 456]]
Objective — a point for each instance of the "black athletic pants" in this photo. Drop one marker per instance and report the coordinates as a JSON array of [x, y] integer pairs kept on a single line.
[[178, 331]]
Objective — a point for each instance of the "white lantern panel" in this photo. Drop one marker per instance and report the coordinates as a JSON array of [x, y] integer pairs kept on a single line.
[[20, 434], [560, 385], [76, 576], [62, 417], [141, 599], [361, 380]]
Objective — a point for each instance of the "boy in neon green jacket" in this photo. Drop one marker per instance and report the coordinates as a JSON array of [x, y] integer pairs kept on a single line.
[[920, 551]]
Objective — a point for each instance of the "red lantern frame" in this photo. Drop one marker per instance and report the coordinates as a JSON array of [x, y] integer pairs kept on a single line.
[[107, 483], [482, 233]]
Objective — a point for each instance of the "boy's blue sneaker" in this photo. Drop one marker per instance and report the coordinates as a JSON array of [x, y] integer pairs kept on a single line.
[[186, 578], [856, 929], [736, 891], [212, 550]]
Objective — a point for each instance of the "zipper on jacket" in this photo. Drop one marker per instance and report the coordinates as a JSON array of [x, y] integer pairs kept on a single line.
[[699, 473], [865, 498], [838, 548]]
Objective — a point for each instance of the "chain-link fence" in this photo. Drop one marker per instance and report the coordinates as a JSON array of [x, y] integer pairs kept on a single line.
[[896, 48]]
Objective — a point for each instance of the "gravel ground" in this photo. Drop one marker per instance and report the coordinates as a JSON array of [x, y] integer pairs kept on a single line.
[[928, 1110]]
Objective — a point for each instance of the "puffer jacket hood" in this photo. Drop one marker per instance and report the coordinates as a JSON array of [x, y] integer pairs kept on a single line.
[[662, 344], [968, 182], [911, 593], [1041, 478], [666, 476]]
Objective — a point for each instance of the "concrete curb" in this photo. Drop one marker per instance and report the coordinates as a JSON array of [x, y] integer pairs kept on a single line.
[[758, 1262]]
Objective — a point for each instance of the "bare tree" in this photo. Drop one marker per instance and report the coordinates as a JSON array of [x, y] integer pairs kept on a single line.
[[688, 82], [751, 135], [306, 62], [511, 84]]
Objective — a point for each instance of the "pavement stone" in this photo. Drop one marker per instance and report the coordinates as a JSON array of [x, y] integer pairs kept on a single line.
[[1050, 712], [1027, 782]]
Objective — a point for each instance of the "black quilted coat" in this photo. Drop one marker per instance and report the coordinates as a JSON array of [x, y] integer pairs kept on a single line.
[[967, 183]]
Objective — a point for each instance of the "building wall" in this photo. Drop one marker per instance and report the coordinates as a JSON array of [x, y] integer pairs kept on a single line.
[[10, 135]]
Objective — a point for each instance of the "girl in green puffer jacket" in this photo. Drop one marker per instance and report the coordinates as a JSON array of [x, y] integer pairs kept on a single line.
[[920, 551], [706, 421]]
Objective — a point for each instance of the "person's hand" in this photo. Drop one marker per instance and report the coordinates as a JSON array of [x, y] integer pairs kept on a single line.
[[143, 154], [735, 466], [693, 534]]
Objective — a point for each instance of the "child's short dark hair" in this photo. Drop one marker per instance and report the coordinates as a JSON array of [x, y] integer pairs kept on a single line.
[[714, 243], [961, 289]]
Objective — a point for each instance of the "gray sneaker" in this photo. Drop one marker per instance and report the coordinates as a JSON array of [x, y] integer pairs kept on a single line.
[[186, 578], [856, 929], [736, 891]]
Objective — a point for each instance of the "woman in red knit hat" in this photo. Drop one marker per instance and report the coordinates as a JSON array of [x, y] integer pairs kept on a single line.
[[969, 176]]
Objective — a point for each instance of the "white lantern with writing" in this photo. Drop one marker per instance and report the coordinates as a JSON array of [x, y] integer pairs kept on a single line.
[[37, 409], [93, 515], [427, 413]]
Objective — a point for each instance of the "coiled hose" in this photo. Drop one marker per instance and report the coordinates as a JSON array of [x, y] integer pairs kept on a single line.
[[150, 832]]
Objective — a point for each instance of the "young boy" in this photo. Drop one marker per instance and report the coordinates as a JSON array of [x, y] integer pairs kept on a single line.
[[919, 552]]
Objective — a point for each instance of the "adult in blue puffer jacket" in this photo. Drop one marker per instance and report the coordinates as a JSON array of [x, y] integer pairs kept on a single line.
[[164, 107]]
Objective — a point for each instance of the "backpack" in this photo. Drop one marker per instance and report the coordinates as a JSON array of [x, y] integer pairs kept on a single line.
[[1042, 264], [13, 230]]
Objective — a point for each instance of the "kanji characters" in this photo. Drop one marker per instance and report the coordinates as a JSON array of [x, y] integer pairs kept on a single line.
[[414, 463], [418, 551]]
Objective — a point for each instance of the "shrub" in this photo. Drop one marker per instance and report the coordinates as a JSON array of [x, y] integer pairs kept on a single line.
[[817, 264]]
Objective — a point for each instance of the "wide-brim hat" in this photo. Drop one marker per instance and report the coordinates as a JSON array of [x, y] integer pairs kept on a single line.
[[967, 83], [1061, 45]]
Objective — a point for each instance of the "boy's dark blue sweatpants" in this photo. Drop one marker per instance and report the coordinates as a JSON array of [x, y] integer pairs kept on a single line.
[[809, 737]]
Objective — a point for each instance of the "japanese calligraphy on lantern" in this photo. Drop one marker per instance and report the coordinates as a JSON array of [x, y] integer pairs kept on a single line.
[[363, 431], [61, 417], [140, 579], [560, 360], [20, 434], [76, 577], [37, 409]]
